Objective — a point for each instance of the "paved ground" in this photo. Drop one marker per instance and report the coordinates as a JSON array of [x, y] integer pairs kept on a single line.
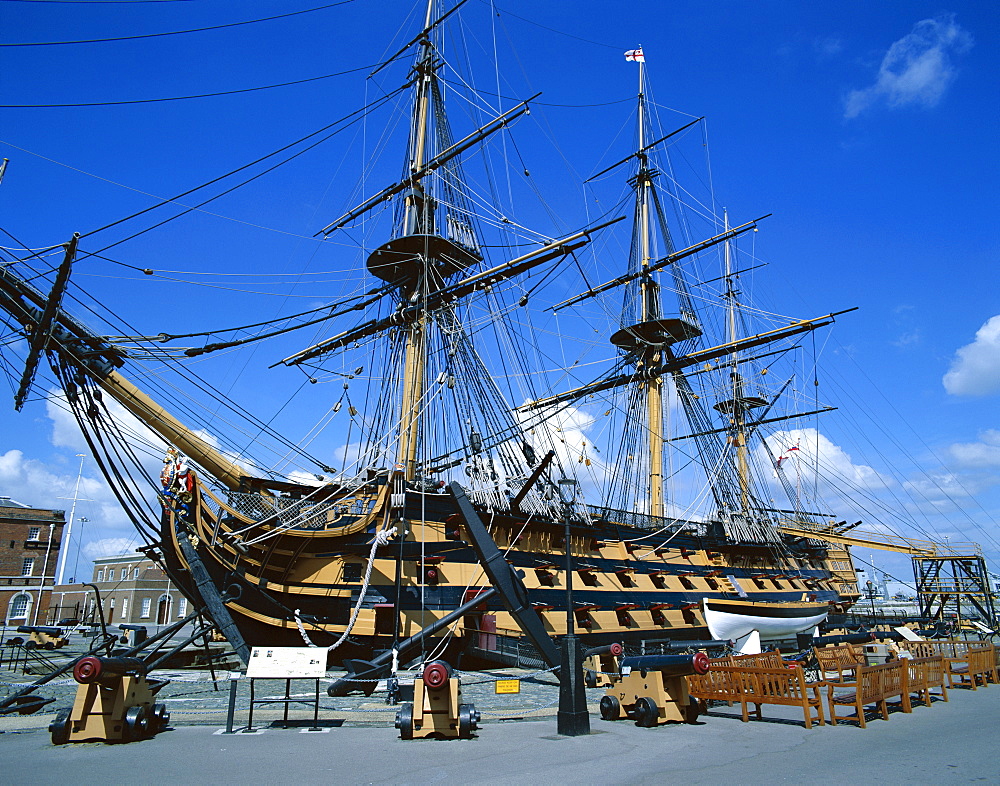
[[952, 742]]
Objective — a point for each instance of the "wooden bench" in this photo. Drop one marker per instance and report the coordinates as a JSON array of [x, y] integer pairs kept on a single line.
[[715, 685], [761, 660], [838, 661], [719, 685], [924, 674], [871, 685], [971, 662], [782, 685]]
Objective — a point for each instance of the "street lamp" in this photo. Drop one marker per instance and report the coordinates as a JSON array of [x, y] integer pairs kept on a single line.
[[573, 719], [567, 495], [871, 595]]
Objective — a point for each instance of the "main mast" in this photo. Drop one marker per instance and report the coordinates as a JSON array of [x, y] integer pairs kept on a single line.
[[650, 310], [648, 341]]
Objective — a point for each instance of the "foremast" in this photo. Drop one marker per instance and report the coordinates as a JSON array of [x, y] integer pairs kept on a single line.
[[416, 222]]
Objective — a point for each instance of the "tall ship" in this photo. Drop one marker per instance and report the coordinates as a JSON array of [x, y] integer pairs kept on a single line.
[[462, 465]]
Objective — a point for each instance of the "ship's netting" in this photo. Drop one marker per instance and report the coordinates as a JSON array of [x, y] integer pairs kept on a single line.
[[744, 529], [287, 512]]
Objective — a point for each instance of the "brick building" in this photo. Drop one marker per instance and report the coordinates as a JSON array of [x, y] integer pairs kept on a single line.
[[133, 589], [29, 551]]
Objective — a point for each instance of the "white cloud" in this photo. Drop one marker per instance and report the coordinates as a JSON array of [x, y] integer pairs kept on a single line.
[[564, 430], [817, 455], [33, 483], [52, 486], [975, 370], [307, 478], [947, 492], [109, 547], [984, 453], [917, 69]]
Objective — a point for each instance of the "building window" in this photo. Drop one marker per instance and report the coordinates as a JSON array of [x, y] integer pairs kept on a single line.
[[182, 607], [19, 606], [34, 532], [111, 574], [28, 566], [125, 609], [135, 574], [146, 603], [100, 575]]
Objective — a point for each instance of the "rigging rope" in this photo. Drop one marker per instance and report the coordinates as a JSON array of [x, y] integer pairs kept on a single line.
[[381, 539]]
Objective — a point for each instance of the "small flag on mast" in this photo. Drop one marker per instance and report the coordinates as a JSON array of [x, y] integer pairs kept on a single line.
[[787, 454], [635, 55]]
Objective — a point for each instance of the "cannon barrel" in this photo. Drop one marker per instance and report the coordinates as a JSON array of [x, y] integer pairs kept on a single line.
[[671, 665], [845, 638], [615, 649], [94, 669], [436, 674], [51, 631], [696, 644]]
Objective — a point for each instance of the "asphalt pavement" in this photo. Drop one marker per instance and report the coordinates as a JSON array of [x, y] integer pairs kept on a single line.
[[949, 742]]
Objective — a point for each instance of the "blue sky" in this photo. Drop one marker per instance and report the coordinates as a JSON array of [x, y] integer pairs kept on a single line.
[[868, 129]]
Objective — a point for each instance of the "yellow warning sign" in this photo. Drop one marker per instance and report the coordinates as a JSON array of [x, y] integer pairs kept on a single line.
[[508, 686]]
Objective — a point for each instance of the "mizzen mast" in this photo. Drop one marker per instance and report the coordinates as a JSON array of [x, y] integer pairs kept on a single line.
[[739, 405]]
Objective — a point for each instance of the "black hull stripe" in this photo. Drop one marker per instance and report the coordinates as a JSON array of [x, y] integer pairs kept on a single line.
[[751, 610]]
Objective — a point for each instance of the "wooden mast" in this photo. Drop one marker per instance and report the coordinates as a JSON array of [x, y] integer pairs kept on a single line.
[[416, 217], [651, 353], [740, 403]]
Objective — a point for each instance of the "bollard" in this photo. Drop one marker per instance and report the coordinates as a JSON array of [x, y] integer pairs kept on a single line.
[[234, 677], [437, 707]]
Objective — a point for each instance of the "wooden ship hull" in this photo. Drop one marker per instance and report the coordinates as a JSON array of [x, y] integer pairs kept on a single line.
[[304, 585]]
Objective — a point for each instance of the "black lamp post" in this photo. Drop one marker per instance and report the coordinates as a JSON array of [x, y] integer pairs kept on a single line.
[[573, 719], [871, 595]]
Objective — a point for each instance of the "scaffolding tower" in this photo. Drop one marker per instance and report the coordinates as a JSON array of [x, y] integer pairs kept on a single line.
[[954, 581]]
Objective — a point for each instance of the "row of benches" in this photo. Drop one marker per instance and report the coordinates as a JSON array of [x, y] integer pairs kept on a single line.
[[967, 662], [767, 679], [971, 662]]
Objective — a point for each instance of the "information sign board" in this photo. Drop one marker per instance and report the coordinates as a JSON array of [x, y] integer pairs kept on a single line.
[[287, 662]]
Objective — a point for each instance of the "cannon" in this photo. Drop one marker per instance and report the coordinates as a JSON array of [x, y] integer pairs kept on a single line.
[[133, 635], [653, 689], [437, 706], [114, 703], [843, 638], [43, 637], [600, 664]]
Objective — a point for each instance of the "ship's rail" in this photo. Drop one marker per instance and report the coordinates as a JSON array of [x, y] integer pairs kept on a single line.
[[643, 521], [505, 646]]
